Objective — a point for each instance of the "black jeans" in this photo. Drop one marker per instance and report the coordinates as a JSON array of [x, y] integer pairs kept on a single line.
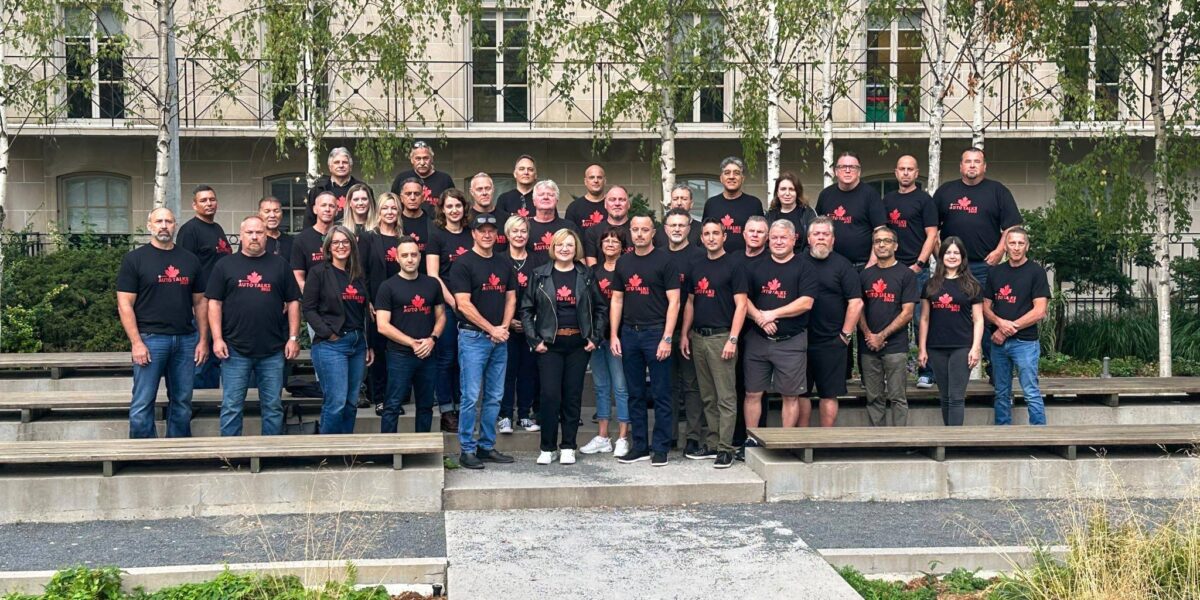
[[562, 368], [951, 373], [377, 373]]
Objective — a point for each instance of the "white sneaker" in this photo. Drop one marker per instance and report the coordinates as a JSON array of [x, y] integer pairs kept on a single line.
[[622, 448], [924, 383], [546, 458], [505, 425], [597, 445], [530, 425], [566, 457]]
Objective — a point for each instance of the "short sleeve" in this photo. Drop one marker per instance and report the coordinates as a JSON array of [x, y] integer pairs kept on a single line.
[[216, 283], [929, 213], [908, 288], [876, 215], [672, 277], [197, 281], [1041, 285], [1009, 215], [851, 284], [297, 258], [738, 280], [808, 284], [459, 278], [127, 277], [291, 289]]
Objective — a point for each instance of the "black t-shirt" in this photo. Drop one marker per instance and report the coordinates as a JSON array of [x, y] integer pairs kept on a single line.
[[606, 281], [281, 247], [432, 186], [326, 184], [800, 216], [522, 270], [950, 321], [713, 283], [976, 213], [773, 284], [205, 240], [733, 215], [645, 281], [411, 306], [565, 297], [307, 250], [164, 281], [584, 213], [908, 215], [662, 241], [855, 214], [540, 237], [448, 246], [885, 292], [1012, 291], [515, 203], [488, 280], [253, 291], [391, 242], [591, 239], [354, 299], [418, 229], [684, 259], [836, 283]]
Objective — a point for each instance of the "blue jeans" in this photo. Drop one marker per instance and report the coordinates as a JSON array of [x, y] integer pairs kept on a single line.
[[445, 354], [235, 379], [173, 357], [522, 382], [481, 366], [405, 372], [922, 279], [340, 365], [609, 377], [980, 271], [1024, 355], [638, 349]]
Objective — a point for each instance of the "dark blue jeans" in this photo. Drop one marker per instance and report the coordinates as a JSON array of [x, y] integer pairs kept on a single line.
[[408, 373], [1022, 355], [340, 365], [445, 353], [481, 372], [235, 380], [173, 357], [522, 380], [638, 349]]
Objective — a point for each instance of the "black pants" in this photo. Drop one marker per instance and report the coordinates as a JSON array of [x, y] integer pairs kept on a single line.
[[562, 368], [377, 373], [951, 373]]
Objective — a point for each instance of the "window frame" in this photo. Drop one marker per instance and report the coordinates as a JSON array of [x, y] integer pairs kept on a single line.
[[65, 208], [500, 16], [1069, 111], [898, 94], [95, 85], [695, 115], [294, 208], [698, 201]]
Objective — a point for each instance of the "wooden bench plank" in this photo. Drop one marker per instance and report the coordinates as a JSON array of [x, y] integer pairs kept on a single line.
[[976, 436], [35, 401], [51, 361]]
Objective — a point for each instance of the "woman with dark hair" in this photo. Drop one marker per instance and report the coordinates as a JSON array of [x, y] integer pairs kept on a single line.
[[607, 372], [449, 239], [360, 208], [521, 373], [377, 247], [951, 329], [335, 306], [563, 315], [788, 203]]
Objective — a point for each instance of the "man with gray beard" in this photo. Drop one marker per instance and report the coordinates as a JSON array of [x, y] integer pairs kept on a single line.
[[836, 306]]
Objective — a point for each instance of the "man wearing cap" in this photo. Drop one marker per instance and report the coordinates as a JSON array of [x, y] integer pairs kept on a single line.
[[484, 289]]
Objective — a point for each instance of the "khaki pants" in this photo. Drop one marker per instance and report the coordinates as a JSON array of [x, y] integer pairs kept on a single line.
[[717, 389], [884, 376]]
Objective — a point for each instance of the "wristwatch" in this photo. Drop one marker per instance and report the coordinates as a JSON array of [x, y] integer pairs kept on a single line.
[[667, 339], [845, 336], [292, 338], [924, 264], [733, 339], [434, 336]]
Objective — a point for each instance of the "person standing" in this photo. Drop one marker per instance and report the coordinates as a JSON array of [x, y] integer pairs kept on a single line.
[[788, 202], [411, 316], [163, 311], [889, 294], [482, 201], [608, 374], [563, 316], [307, 250], [254, 316], [521, 378], [713, 319], [433, 182], [685, 391], [519, 200], [361, 201], [645, 305], [377, 247], [414, 221], [855, 210], [205, 238], [588, 209], [484, 289], [681, 198], [732, 207], [913, 216], [335, 306], [616, 202], [338, 182], [754, 234], [545, 222], [1014, 300], [834, 316], [279, 242], [951, 328], [451, 238]]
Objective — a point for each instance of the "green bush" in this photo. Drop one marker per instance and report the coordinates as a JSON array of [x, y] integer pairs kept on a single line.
[[82, 583], [1131, 333]]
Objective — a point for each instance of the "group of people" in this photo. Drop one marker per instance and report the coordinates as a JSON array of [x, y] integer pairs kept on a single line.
[[493, 308]]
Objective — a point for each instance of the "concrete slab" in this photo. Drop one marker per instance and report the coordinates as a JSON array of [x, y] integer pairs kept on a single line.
[[910, 562], [648, 553], [599, 480], [142, 492]]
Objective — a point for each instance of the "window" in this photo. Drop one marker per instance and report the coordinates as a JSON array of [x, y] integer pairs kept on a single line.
[[706, 104], [286, 61], [290, 190], [96, 202], [703, 188], [95, 66], [499, 75], [894, 69], [1090, 68]]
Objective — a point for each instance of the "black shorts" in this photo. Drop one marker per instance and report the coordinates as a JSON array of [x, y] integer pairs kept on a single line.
[[827, 369]]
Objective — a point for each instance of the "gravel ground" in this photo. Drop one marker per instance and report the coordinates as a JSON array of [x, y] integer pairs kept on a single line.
[[213, 540]]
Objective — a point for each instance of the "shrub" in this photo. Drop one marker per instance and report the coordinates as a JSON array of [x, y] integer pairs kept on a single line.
[[1131, 333]]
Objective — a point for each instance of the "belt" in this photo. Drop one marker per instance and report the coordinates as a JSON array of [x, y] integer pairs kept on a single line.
[[859, 266], [567, 331], [710, 331], [650, 327], [779, 338], [468, 326]]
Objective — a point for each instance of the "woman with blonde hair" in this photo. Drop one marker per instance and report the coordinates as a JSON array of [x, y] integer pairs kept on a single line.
[[377, 247]]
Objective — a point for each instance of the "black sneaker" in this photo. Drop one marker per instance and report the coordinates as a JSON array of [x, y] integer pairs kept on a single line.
[[740, 454], [493, 455], [633, 457], [469, 461], [724, 460], [692, 447], [379, 408], [595, 418], [702, 454], [659, 460]]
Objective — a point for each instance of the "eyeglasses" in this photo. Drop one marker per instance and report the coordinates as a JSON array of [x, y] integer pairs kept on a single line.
[[340, 243], [884, 242], [420, 144], [848, 167]]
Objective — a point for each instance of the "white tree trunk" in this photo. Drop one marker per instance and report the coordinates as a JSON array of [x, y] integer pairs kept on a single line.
[[4, 141], [666, 154], [162, 145], [774, 138], [937, 95], [978, 66], [1161, 201], [309, 102], [827, 102]]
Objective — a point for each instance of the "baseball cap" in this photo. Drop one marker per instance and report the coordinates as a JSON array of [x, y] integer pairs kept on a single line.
[[483, 219]]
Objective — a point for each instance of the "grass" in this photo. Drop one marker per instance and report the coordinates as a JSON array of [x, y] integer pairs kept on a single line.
[[960, 584]]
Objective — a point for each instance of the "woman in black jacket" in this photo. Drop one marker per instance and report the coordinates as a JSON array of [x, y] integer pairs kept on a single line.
[[788, 203], [335, 306], [377, 248], [564, 316]]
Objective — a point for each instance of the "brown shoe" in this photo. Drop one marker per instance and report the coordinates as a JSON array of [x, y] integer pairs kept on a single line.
[[450, 422]]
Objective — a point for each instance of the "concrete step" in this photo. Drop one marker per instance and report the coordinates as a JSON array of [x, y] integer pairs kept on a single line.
[[598, 481]]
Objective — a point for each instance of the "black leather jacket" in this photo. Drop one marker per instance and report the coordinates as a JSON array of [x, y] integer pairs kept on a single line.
[[539, 315]]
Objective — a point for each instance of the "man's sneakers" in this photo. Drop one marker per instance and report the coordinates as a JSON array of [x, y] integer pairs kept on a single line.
[[622, 448], [566, 457], [493, 455], [631, 456], [505, 425], [695, 451], [740, 455], [450, 422], [546, 457], [468, 460], [724, 460], [598, 445], [659, 460], [924, 382], [530, 425]]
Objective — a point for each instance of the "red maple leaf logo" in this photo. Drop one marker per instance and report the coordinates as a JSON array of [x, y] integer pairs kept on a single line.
[[547, 238], [879, 286], [773, 285], [945, 299], [391, 254], [702, 284], [894, 216], [839, 212], [604, 283], [460, 251], [635, 281], [493, 280], [1006, 290], [524, 212], [564, 293], [428, 194], [341, 202], [351, 290], [254, 277], [964, 202], [522, 279], [222, 246], [418, 301], [727, 221], [172, 272], [414, 236], [596, 217]]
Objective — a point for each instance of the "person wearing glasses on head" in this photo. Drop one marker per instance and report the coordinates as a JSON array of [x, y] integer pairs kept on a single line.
[[433, 182]]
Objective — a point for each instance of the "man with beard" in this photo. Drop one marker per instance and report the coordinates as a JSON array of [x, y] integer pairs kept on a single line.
[[588, 209], [279, 243], [338, 182], [433, 182], [834, 316], [685, 390], [681, 198]]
